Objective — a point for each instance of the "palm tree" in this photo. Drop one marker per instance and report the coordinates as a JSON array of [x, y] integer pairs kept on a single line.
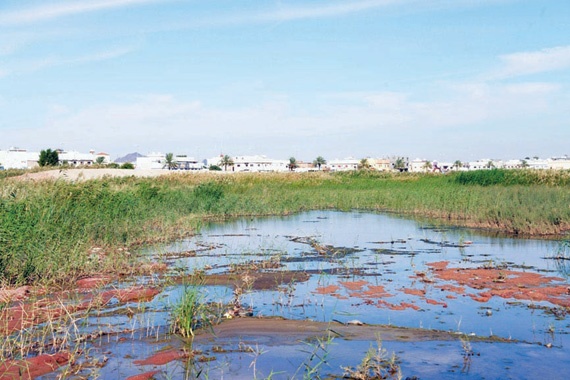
[[427, 166], [169, 161], [226, 161], [292, 164], [490, 164], [524, 164], [400, 164], [364, 164], [457, 164], [319, 161]]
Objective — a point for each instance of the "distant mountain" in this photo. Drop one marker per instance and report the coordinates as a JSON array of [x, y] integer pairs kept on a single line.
[[131, 157]]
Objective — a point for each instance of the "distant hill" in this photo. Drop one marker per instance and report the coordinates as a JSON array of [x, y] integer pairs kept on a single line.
[[131, 157]]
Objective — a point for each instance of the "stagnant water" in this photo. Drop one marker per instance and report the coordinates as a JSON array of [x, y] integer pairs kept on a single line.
[[373, 268], [386, 251]]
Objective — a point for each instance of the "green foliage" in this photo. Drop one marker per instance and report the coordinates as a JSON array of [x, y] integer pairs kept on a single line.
[[319, 161], [48, 157], [148, 191], [208, 195], [292, 165], [100, 160], [113, 165], [376, 364], [11, 173], [170, 162], [513, 177], [127, 165], [400, 163], [226, 161], [189, 312], [215, 168]]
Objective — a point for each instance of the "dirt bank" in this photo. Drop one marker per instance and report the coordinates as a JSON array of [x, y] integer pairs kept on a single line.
[[87, 174], [293, 331]]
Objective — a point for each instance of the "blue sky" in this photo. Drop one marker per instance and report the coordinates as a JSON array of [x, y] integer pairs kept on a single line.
[[435, 79]]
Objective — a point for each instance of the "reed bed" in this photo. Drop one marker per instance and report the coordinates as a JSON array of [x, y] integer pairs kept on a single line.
[[54, 230]]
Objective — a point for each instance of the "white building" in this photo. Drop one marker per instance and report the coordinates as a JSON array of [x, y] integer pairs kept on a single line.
[[74, 158], [484, 164], [559, 163], [156, 161], [511, 164], [152, 160], [343, 165], [184, 162], [420, 166], [256, 163], [18, 158], [380, 164]]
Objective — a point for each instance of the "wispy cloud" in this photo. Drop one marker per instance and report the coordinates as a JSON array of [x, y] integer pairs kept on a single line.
[[331, 10], [54, 61], [67, 8], [285, 13], [533, 62]]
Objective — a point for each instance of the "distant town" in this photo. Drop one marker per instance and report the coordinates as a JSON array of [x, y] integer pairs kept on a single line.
[[18, 158]]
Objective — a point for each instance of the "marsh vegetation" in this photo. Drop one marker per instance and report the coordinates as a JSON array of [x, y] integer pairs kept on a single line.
[[179, 265]]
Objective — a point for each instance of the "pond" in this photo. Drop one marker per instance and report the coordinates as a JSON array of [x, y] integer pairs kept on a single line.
[[422, 301]]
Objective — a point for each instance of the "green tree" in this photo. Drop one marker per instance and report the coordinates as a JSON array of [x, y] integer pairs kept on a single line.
[[214, 168], [319, 161], [490, 164], [292, 165], [400, 164], [226, 161], [364, 164], [524, 164], [457, 164], [169, 162], [127, 165], [48, 157], [100, 160]]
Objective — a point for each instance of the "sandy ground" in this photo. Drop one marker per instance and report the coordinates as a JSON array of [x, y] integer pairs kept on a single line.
[[86, 174]]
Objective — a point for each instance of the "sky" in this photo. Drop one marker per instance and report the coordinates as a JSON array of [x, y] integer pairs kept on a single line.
[[433, 79]]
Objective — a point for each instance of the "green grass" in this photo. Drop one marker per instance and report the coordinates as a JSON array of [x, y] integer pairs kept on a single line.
[[48, 228]]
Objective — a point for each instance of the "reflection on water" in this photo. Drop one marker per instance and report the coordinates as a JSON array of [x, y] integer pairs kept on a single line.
[[373, 267]]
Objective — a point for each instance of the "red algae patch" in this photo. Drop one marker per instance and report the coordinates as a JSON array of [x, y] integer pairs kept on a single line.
[[415, 292], [373, 291], [33, 367], [93, 282], [452, 289], [434, 302], [163, 357], [354, 285], [329, 289], [504, 283], [25, 315], [133, 294]]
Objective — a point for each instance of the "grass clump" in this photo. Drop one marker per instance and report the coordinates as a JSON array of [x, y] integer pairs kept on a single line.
[[376, 364], [523, 177], [188, 313]]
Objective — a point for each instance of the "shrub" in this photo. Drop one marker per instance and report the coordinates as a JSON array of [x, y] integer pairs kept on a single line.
[[207, 195]]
